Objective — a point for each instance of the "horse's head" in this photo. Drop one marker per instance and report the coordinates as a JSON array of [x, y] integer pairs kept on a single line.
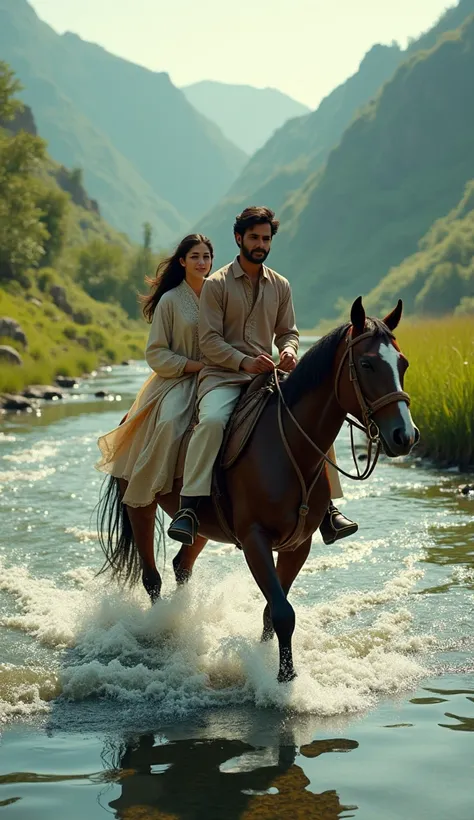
[[369, 382]]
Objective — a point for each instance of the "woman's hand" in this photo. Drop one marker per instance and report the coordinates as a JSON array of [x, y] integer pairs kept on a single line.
[[193, 367]]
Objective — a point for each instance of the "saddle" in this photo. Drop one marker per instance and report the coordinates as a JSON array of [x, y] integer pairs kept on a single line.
[[238, 432], [247, 412], [249, 408]]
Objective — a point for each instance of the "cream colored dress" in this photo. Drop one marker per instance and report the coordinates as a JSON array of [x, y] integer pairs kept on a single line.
[[145, 448]]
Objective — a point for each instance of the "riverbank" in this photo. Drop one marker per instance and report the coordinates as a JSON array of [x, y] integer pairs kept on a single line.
[[61, 332]]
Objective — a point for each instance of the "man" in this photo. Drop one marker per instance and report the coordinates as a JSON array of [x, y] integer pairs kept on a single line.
[[244, 307]]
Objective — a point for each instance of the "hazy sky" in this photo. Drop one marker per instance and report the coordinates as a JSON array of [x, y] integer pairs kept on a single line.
[[303, 47]]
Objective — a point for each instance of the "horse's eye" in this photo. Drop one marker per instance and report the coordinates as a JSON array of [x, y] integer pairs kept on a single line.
[[365, 364]]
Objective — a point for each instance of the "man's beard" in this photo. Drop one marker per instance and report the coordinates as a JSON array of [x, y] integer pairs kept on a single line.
[[257, 257]]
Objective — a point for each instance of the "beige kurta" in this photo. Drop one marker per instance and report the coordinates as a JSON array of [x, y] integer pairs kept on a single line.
[[235, 322], [144, 449]]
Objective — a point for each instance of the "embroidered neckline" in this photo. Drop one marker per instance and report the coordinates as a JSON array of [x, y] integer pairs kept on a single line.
[[190, 310]]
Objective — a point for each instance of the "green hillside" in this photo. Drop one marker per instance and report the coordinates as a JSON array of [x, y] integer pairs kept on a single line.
[[56, 254], [147, 154], [358, 182], [438, 278], [401, 165], [298, 148]]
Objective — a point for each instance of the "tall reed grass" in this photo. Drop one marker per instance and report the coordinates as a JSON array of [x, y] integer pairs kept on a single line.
[[440, 381]]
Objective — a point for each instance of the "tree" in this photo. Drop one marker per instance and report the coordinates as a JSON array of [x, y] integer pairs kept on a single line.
[[9, 88], [101, 270], [23, 231], [142, 265], [53, 205]]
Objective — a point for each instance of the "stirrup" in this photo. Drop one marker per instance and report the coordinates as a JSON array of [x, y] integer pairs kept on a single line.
[[330, 533], [184, 526]]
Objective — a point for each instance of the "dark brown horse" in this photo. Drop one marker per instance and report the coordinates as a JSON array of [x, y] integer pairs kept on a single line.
[[278, 488]]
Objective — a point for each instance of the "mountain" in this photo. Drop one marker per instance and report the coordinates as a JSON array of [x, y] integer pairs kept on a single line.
[[439, 277], [402, 164], [233, 107], [147, 154], [298, 148]]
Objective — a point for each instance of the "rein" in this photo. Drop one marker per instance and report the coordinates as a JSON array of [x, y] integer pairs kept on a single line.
[[369, 427]]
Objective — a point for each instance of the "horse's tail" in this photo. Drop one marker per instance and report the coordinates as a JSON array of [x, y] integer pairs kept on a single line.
[[116, 535]]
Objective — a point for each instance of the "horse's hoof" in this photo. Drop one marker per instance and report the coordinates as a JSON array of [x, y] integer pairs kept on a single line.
[[152, 584], [286, 675], [267, 635], [181, 575]]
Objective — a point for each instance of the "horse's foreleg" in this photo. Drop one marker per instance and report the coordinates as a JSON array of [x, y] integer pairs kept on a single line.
[[142, 520], [184, 560], [288, 567], [257, 549]]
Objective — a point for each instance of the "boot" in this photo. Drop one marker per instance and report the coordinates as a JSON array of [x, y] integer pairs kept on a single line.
[[185, 524], [335, 525]]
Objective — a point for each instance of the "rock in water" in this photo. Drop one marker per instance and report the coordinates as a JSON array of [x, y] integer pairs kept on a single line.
[[9, 401], [41, 391], [67, 381]]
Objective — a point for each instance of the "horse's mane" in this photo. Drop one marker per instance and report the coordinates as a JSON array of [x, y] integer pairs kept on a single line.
[[316, 364]]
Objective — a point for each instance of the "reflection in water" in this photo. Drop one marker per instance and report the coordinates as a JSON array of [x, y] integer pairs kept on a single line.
[[220, 778], [51, 413], [452, 545], [464, 725]]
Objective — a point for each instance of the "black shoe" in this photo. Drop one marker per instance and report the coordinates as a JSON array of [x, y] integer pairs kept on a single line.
[[335, 525], [185, 524]]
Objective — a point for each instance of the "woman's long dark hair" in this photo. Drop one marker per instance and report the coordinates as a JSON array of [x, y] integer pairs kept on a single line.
[[170, 272]]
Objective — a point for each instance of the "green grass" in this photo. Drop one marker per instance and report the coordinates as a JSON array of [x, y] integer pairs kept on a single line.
[[440, 381], [59, 346]]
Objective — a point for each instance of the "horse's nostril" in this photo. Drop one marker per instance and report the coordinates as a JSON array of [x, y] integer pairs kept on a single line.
[[417, 435], [400, 437]]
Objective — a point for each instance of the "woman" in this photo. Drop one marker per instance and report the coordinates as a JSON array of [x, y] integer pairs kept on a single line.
[[142, 453]]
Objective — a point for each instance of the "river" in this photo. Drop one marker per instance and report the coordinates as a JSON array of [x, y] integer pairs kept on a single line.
[[108, 706]]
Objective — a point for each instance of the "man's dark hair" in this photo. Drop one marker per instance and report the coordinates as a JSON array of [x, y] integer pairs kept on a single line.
[[255, 215]]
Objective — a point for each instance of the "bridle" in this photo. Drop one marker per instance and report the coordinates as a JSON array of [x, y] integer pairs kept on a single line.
[[369, 427], [368, 408]]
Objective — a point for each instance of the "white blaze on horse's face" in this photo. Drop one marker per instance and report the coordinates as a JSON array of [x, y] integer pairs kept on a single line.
[[391, 356]]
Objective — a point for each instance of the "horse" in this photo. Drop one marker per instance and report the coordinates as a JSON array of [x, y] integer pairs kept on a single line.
[[278, 488]]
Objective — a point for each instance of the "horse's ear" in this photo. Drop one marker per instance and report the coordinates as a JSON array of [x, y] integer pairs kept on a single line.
[[394, 317], [358, 316]]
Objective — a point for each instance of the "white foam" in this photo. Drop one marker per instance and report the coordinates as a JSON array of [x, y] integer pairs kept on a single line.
[[25, 691], [7, 438], [13, 476], [463, 575], [36, 455], [199, 647], [352, 552], [82, 534]]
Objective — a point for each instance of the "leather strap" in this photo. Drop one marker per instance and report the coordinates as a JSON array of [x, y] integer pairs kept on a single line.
[[368, 408]]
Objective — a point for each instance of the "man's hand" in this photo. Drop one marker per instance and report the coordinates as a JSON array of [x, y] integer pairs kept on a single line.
[[288, 360], [259, 364]]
